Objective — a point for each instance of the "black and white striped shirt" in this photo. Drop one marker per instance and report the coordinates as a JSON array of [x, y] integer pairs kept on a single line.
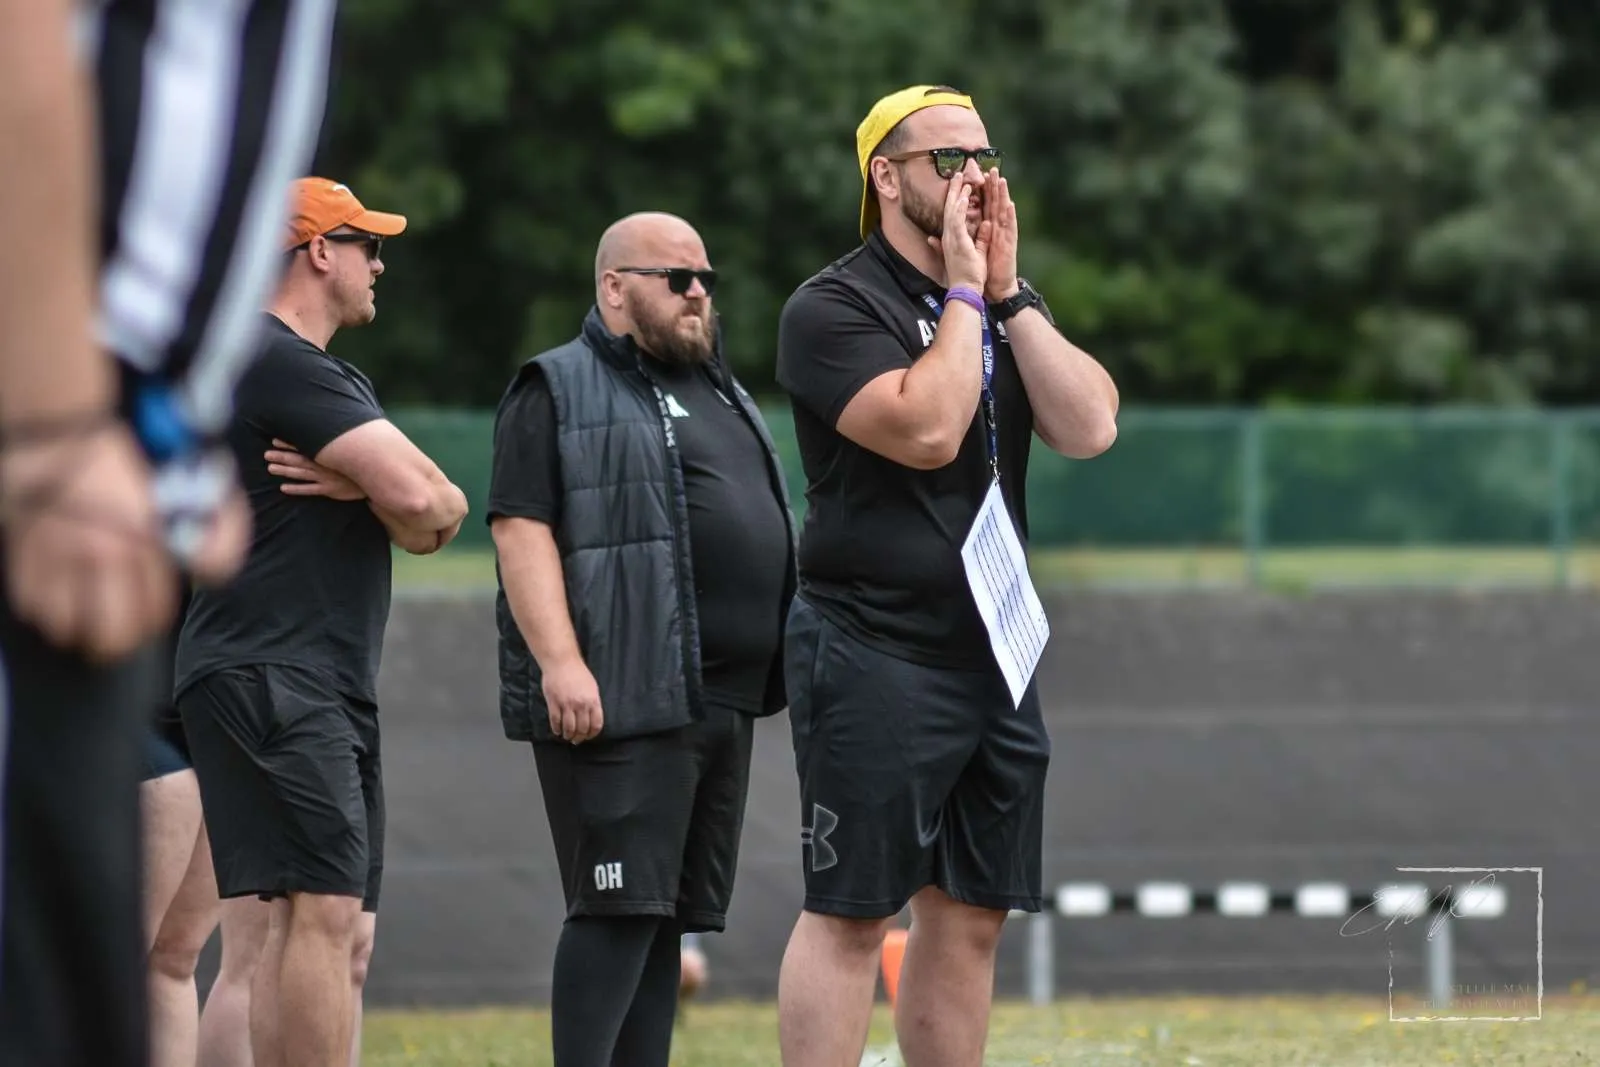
[[209, 109]]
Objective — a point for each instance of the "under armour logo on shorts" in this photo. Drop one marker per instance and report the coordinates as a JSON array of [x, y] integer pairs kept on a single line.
[[823, 823], [608, 876]]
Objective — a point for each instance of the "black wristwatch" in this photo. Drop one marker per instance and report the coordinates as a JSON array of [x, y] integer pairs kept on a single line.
[[1027, 297]]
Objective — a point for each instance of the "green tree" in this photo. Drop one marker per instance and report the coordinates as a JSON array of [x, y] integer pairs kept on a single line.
[[1227, 200]]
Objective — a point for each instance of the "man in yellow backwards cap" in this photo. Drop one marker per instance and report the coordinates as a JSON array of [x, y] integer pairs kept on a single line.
[[919, 366]]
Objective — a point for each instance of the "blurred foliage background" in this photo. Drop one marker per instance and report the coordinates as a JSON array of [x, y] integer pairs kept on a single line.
[[1242, 202]]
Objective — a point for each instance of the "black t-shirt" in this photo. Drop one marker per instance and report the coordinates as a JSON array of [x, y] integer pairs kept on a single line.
[[315, 590], [880, 551], [738, 532]]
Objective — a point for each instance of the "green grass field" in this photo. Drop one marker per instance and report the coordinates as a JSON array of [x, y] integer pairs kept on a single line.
[[1189, 1032], [469, 569]]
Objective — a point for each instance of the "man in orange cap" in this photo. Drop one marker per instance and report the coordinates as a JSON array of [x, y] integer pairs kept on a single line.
[[276, 674], [180, 898], [919, 366]]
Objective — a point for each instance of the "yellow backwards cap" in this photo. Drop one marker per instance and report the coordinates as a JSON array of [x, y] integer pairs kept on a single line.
[[885, 115]]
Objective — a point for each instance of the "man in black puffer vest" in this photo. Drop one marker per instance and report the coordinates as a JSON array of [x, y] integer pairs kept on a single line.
[[646, 556]]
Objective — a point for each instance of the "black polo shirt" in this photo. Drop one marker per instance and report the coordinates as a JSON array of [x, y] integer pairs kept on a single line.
[[880, 552]]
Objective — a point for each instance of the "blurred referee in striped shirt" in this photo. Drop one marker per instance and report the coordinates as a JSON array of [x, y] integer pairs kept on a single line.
[[148, 150]]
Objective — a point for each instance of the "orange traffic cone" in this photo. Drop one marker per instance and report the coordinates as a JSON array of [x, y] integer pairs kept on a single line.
[[894, 952]]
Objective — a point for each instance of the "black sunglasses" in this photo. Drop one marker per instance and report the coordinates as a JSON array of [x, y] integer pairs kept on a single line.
[[679, 278], [373, 242], [948, 162]]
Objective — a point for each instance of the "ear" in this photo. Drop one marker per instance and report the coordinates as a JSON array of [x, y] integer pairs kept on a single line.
[[611, 289], [885, 178], [319, 253]]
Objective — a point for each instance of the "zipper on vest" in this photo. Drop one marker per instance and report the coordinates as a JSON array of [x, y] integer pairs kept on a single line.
[[670, 436]]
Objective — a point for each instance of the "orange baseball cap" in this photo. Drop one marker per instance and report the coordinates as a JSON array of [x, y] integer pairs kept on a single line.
[[319, 206]]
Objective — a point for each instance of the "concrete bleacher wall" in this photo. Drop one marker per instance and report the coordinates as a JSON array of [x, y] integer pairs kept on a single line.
[[1197, 737]]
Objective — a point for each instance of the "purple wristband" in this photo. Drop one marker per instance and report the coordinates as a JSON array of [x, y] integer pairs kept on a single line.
[[970, 297]]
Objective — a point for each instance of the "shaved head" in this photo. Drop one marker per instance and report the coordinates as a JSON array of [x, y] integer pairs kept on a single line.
[[645, 239], [674, 326]]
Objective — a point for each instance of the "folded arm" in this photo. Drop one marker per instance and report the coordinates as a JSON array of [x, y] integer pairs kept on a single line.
[[415, 541], [409, 494]]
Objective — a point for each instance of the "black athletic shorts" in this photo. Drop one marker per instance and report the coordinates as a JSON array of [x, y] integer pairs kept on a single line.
[[650, 825], [291, 783], [161, 756], [72, 953], [911, 776], [166, 749]]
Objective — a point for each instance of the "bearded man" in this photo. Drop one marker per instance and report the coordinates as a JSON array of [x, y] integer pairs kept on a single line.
[[646, 556], [920, 366]]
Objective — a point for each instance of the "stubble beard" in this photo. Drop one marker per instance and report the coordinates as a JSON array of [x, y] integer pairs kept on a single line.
[[360, 306], [927, 213], [923, 213]]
